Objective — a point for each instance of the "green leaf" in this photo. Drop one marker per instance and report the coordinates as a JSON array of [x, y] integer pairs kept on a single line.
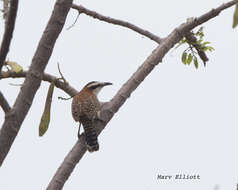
[[14, 66], [205, 43], [195, 61], [184, 57], [235, 17], [45, 118], [190, 58], [199, 41], [210, 48]]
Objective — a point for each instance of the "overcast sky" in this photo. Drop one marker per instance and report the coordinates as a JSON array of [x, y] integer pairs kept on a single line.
[[180, 120]]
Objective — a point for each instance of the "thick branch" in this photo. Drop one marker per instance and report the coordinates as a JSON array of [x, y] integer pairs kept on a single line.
[[109, 109], [9, 28], [107, 19], [46, 77], [4, 104], [15, 117], [68, 165]]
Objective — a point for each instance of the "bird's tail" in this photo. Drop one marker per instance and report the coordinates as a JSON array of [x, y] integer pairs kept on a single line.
[[90, 136]]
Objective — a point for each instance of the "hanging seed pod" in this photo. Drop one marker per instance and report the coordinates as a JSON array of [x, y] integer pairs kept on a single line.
[[235, 17], [45, 118]]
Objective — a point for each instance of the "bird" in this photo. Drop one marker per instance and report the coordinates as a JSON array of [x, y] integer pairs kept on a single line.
[[85, 108]]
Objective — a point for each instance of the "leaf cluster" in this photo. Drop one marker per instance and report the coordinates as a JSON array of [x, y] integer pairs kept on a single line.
[[196, 47]]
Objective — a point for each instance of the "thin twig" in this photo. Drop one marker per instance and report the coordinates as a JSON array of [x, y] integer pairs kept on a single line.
[[62, 77], [107, 19], [4, 104], [46, 77], [9, 28], [12, 84], [71, 26]]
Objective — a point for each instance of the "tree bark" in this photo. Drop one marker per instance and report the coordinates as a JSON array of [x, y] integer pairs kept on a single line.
[[15, 117]]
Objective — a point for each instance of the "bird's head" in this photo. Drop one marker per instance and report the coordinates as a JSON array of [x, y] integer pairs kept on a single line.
[[96, 86]]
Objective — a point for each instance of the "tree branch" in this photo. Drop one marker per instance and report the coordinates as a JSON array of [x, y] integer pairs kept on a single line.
[[4, 104], [9, 28], [45, 77], [110, 108], [107, 19], [15, 117]]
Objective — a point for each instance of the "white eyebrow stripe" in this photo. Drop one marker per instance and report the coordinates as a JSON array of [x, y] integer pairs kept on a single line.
[[93, 84]]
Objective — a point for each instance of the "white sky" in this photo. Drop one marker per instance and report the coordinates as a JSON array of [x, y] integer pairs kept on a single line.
[[180, 120]]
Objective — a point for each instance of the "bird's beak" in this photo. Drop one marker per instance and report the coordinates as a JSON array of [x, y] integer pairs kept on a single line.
[[107, 83]]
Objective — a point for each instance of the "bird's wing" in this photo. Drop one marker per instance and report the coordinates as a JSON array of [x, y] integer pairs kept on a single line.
[[76, 110]]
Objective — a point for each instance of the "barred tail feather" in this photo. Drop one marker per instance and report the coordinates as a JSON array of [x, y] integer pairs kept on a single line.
[[90, 136]]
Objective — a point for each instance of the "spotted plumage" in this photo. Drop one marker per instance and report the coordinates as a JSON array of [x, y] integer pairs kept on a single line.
[[85, 107]]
